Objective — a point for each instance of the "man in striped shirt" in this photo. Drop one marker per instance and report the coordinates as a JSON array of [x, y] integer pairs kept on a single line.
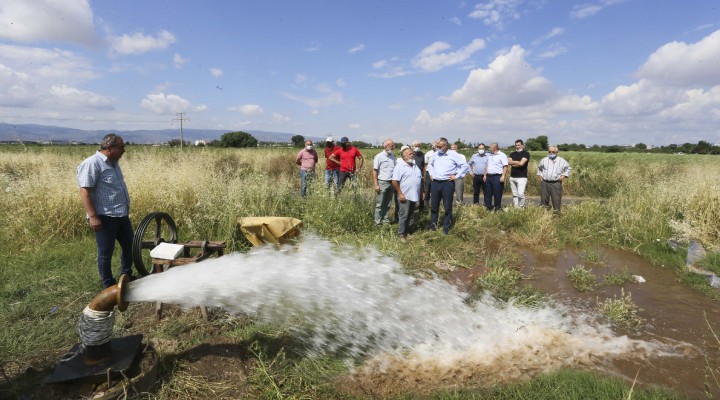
[[551, 172], [106, 202]]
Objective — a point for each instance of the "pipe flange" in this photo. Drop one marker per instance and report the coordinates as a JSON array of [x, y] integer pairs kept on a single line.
[[122, 305]]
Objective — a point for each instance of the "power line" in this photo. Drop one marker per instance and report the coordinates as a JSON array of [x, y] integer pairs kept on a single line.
[[181, 119]]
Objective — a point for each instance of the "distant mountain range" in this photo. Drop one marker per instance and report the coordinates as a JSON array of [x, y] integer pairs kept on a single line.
[[58, 134]]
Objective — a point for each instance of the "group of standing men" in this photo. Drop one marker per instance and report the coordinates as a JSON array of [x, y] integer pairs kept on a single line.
[[418, 178]]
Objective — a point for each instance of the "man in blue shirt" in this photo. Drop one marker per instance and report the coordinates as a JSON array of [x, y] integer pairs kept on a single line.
[[478, 165], [444, 168], [495, 178], [106, 202]]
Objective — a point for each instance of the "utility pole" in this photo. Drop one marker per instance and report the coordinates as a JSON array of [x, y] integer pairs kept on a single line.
[[181, 119]]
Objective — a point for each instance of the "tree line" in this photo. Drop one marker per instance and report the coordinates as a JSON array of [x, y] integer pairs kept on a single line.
[[538, 143]]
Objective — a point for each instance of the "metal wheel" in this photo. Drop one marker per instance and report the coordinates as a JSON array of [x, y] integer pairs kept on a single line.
[[155, 228]]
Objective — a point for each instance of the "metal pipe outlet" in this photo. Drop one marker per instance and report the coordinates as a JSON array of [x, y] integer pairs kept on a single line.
[[112, 296]]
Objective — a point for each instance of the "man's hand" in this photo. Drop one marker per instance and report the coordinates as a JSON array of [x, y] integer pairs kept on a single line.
[[377, 188], [401, 197], [95, 223]]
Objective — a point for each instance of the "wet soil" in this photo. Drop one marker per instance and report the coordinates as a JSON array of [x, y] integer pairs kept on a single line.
[[671, 310]]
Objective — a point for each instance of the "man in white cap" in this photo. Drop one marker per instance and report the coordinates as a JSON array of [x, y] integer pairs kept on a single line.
[[332, 169]]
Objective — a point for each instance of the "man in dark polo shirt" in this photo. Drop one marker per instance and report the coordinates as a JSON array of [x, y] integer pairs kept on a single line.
[[518, 162]]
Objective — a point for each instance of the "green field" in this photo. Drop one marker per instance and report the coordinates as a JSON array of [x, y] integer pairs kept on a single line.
[[633, 201]]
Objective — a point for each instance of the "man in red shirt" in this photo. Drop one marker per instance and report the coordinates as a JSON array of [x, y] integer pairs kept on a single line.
[[332, 170], [345, 156]]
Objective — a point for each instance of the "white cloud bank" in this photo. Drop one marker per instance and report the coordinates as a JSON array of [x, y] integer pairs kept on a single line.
[[140, 43], [676, 99], [161, 104], [47, 20]]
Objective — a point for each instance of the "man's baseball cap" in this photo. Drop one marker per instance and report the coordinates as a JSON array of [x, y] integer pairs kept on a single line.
[[329, 139], [344, 139]]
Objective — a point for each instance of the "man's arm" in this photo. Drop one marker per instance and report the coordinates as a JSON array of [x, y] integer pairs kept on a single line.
[[375, 181], [85, 196], [334, 159], [520, 163], [362, 160], [298, 159], [401, 195]]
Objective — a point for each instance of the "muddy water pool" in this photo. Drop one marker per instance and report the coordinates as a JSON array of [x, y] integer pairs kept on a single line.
[[671, 310]]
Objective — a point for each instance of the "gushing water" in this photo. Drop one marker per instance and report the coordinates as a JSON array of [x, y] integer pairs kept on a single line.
[[361, 302]]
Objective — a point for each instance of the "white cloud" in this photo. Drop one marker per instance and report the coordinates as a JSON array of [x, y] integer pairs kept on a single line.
[[495, 12], [431, 58], [354, 126], [663, 106], [509, 81], [300, 79], [581, 11], [27, 74], [327, 98], [340, 82], [551, 51], [216, 72], [641, 98], [682, 64], [47, 20], [455, 20], [358, 48], [139, 43], [553, 33], [160, 103], [379, 64], [72, 97], [277, 117], [248, 109], [179, 61], [313, 47]]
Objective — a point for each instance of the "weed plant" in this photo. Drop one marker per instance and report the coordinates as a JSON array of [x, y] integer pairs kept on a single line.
[[622, 311], [582, 279], [618, 278]]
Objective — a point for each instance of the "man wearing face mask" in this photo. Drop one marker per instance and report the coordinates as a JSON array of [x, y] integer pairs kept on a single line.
[[478, 165], [346, 156], [444, 168], [419, 157], [383, 165], [518, 161], [306, 159], [551, 172], [407, 180]]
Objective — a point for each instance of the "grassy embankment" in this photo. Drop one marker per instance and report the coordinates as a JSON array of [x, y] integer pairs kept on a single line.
[[49, 260]]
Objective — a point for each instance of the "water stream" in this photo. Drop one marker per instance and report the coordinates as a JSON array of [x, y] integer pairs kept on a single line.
[[412, 331]]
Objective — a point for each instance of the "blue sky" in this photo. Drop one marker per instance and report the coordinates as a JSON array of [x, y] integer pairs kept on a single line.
[[593, 72]]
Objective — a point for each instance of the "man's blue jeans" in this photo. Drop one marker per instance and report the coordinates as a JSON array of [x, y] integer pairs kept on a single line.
[[332, 175], [112, 229], [306, 177]]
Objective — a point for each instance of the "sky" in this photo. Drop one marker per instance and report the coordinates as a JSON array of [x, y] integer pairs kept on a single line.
[[591, 72]]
